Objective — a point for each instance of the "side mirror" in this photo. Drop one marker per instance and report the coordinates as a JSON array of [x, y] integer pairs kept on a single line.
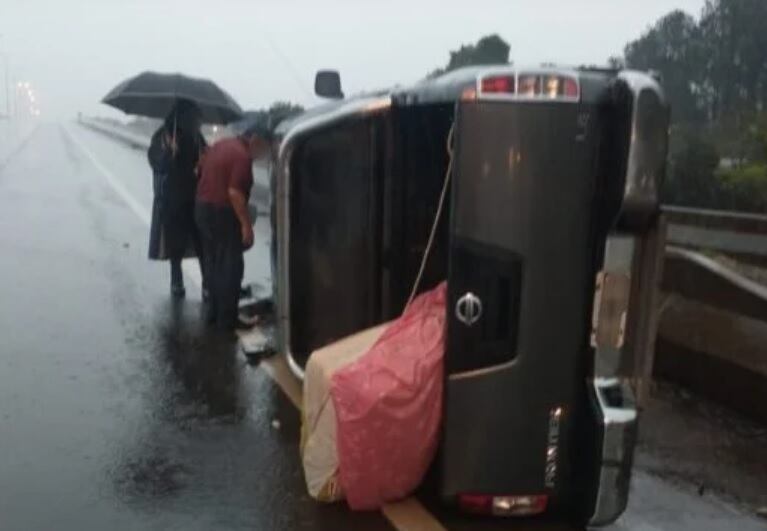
[[327, 84]]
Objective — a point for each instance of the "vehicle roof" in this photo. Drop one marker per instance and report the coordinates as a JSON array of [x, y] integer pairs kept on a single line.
[[324, 108], [442, 89], [446, 88]]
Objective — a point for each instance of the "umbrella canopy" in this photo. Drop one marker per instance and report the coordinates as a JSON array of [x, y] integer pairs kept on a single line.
[[154, 95]]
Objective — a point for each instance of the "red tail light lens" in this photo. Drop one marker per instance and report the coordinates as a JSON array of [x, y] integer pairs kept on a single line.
[[499, 85], [571, 88], [503, 505], [553, 86], [476, 503]]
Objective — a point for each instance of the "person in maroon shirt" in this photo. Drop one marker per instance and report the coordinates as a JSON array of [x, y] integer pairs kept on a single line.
[[221, 211]]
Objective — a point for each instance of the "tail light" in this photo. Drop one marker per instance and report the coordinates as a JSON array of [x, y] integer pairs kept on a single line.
[[572, 90], [503, 505], [469, 94], [499, 85], [529, 86], [554, 86]]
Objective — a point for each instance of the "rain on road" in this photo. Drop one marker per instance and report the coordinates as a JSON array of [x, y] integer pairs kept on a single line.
[[119, 410]]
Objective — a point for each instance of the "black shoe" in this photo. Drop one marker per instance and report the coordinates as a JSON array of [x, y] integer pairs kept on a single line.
[[177, 291]]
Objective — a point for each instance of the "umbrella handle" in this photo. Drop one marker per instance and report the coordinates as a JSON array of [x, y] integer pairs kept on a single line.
[[173, 140]]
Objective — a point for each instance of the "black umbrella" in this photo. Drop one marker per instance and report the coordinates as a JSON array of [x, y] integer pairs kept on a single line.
[[154, 95]]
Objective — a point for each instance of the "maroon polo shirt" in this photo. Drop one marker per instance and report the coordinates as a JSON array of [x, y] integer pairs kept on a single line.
[[226, 164]]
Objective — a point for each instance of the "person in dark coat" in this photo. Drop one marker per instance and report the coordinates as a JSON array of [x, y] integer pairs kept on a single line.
[[174, 154]]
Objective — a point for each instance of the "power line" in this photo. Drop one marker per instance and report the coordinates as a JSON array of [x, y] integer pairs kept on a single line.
[[291, 68]]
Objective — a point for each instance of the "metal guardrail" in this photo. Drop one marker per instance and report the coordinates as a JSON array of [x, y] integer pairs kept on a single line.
[[260, 196], [117, 132], [738, 234], [713, 320]]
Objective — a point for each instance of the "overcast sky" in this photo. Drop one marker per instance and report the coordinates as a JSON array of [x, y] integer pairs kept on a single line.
[[75, 51]]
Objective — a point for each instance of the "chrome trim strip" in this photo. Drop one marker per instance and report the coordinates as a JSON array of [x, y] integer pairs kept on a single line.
[[294, 367], [465, 375], [361, 107]]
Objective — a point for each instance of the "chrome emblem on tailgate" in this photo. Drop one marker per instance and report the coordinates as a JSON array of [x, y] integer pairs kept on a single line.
[[468, 309]]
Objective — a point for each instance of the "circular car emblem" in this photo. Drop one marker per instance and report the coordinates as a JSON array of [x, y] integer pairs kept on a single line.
[[468, 309]]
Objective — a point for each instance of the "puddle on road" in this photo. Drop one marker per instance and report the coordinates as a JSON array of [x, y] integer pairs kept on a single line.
[[151, 477]]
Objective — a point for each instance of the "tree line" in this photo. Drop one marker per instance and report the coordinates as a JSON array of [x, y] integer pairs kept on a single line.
[[714, 72]]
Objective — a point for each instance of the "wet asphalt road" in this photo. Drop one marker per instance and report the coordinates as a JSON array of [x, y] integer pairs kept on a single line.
[[118, 410]]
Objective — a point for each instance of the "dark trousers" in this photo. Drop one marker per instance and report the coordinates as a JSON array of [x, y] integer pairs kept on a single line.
[[181, 236], [177, 275], [223, 263]]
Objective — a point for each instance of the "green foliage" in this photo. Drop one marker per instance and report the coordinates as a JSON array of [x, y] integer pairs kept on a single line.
[[733, 32], [757, 139], [745, 188], [696, 179], [692, 179], [489, 50], [714, 72], [673, 48]]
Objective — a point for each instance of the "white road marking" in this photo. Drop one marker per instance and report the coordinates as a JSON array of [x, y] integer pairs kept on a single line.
[[20, 145], [406, 515], [139, 209], [191, 271]]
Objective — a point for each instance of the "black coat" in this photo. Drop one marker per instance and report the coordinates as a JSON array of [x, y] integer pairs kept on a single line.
[[173, 233]]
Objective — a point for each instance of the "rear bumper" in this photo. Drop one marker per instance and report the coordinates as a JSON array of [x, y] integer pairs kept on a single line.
[[616, 416]]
